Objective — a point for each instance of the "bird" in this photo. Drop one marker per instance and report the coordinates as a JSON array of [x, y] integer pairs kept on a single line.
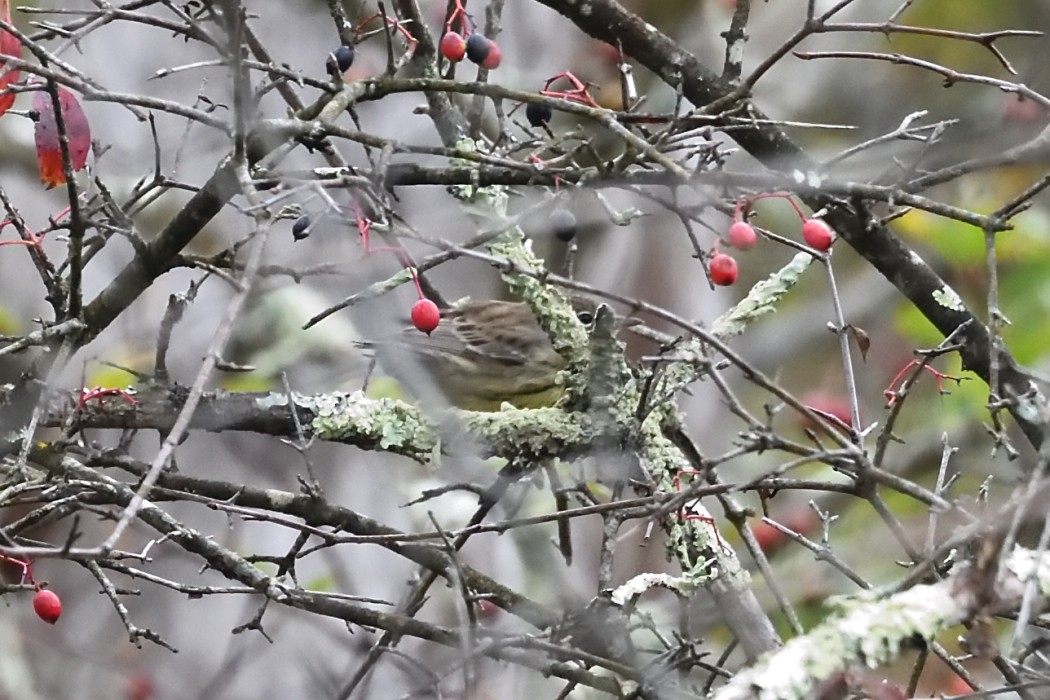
[[482, 354]]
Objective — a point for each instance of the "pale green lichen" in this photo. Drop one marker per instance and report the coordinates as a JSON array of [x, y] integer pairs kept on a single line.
[[376, 289], [627, 593], [534, 434], [393, 425], [872, 632], [481, 203], [948, 298], [610, 384], [531, 435], [694, 542], [877, 631], [1025, 564], [762, 298]]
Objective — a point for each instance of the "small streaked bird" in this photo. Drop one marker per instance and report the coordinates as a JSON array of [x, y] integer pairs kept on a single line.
[[483, 353]]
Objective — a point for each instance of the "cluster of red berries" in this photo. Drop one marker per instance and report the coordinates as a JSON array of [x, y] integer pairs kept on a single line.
[[473, 44], [477, 47], [723, 268]]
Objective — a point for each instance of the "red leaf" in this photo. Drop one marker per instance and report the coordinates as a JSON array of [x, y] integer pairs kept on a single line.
[[9, 46], [48, 146]]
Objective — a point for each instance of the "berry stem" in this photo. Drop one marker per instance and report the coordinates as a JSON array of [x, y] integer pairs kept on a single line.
[[27, 569], [395, 23], [737, 210], [458, 19], [748, 201], [893, 395], [578, 93], [364, 229]]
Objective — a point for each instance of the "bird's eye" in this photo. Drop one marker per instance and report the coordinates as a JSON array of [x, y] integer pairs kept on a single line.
[[585, 317]]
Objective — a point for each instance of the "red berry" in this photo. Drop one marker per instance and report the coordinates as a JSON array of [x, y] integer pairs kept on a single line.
[[817, 234], [425, 315], [453, 47], [834, 405], [956, 686], [487, 610], [769, 538], [723, 269], [742, 236], [139, 686], [491, 61], [47, 605]]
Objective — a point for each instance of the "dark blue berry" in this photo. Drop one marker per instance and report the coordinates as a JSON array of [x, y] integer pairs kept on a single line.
[[538, 114], [477, 47], [563, 224], [301, 227], [339, 60]]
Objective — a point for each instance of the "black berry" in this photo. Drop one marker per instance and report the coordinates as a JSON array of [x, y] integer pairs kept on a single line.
[[563, 224], [339, 60], [301, 227], [538, 114], [478, 47]]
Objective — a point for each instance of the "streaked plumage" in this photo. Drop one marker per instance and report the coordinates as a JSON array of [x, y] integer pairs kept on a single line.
[[483, 353]]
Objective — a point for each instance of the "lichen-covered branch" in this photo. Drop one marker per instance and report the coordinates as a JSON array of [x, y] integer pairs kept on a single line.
[[872, 631]]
